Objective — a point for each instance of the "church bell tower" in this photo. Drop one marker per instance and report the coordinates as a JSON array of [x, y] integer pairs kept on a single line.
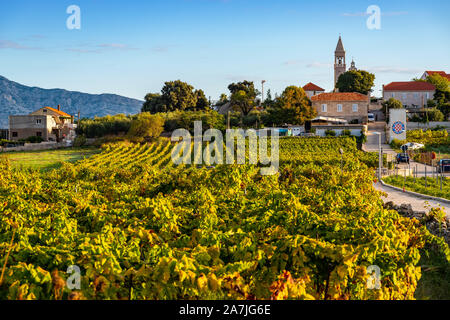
[[339, 61]]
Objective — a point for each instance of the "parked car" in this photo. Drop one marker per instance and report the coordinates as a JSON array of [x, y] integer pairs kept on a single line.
[[444, 166], [412, 146], [402, 158], [371, 117]]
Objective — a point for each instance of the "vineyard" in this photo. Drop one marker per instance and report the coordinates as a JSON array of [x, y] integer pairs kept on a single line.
[[140, 227]]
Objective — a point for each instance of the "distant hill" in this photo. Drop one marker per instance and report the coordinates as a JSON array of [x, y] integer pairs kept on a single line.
[[16, 99]]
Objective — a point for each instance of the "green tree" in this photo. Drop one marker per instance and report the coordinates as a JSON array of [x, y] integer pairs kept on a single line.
[[153, 103], [202, 101], [392, 103], [175, 95], [356, 81], [146, 125], [243, 96], [435, 115], [222, 100], [269, 101], [442, 94], [293, 107]]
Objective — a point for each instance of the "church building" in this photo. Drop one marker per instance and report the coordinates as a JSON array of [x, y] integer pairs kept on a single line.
[[340, 65]]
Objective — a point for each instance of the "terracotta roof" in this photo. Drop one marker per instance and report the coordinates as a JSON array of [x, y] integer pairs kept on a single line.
[[340, 96], [312, 87], [62, 114], [441, 73], [409, 86]]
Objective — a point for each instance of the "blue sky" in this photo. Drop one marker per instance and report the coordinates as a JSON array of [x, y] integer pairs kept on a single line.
[[131, 47]]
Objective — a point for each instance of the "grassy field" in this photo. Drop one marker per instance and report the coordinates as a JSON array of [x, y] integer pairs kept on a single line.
[[48, 159], [433, 187]]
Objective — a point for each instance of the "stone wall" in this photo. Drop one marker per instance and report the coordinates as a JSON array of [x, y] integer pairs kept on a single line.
[[438, 228], [36, 147]]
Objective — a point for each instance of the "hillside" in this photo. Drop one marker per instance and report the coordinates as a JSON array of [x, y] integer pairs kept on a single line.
[[18, 99]]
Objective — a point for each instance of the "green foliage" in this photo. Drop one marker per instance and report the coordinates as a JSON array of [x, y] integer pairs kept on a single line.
[[330, 133], [434, 115], [103, 126], [346, 132], [141, 228], [243, 96], [292, 107], [356, 81], [146, 125], [185, 119], [442, 85], [79, 141], [432, 187], [32, 139], [393, 103], [397, 144], [175, 95]]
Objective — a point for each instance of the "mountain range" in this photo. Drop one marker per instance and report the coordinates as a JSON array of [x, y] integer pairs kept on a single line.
[[17, 99]]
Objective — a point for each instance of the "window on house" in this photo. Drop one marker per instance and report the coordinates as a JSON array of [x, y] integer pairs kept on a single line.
[[392, 95], [404, 96], [39, 121], [14, 134], [427, 96], [416, 95], [339, 107], [39, 134], [355, 107], [45, 110], [324, 108]]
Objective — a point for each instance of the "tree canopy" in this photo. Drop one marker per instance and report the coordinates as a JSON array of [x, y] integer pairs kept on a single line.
[[393, 103], [176, 95], [146, 125], [356, 81], [243, 96], [292, 107]]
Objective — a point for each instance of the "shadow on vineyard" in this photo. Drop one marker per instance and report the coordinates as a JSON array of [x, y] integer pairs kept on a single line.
[[139, 227], [435, 281]]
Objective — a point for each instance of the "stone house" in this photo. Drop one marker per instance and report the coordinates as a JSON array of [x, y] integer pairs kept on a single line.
[[48, 123], [311, 89], [350, 106], [412, 94]]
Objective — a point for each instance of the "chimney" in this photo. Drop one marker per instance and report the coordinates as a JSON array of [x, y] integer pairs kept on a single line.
[[59, 107]]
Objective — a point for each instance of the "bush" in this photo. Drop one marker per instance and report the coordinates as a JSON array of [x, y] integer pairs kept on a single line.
[[435, 115], [79, 141], [185, 120], [109, 125], [146, 125], [330, 133], [397, 144], [32, 139], [346, 132]]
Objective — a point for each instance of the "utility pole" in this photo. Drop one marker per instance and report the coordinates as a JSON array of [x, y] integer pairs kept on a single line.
[[262, 97]]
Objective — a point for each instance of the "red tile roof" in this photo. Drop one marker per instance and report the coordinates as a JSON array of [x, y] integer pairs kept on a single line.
[[409, 86], [62, 114], [340, 96], [441, 73], [312, 87]]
